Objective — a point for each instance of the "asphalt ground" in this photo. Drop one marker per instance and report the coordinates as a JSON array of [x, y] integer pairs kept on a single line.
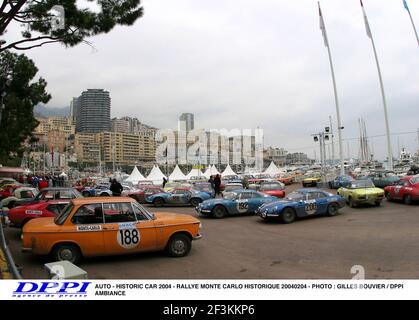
[[383, 240]]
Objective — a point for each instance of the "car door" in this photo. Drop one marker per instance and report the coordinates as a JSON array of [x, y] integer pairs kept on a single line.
[[123, 233], [321, 201], [256, 200], [310, 204], [242, 203], [396, 190], [86, 229]]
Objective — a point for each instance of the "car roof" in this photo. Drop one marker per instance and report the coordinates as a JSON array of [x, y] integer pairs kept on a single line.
[[306, 190], [89, 200]]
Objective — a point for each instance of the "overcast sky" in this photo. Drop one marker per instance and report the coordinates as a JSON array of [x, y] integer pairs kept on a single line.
[[248, 64]]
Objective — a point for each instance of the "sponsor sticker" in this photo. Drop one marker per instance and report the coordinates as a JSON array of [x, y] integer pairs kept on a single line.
[[89, 228]]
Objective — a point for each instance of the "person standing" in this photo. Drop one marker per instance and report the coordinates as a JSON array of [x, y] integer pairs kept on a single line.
[[116, 188], [217, 184], [164, 182]]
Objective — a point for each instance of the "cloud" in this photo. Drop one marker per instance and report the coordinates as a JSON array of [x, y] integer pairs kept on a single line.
[[247, 64]]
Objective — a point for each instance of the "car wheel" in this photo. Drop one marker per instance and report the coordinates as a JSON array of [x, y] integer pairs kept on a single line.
[[288, 215], [179, 245], [332, 209], [104, 194], [86, 194], [158, 202], [195, 202], [351, 202], [377, 203], [66, 252], [407, 199], [330, 185], [219, 212]]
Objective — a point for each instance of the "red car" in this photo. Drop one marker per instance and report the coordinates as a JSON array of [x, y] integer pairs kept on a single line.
[[20, 215], [144, 192], [407, 189], [272, 189]]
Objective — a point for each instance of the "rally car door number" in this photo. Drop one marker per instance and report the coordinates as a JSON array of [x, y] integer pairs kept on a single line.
[[128, 236], [310, 206], [242, 205]]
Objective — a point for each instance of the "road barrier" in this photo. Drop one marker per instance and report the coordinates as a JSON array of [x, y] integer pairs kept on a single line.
[[11, 267]]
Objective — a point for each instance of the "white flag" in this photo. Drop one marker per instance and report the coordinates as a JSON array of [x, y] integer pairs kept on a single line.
[[367, 25], [323, 27]]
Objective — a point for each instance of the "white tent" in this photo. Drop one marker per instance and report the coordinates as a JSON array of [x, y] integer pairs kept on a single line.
[[228, 171], [194, 173], [63, 174], [135, 176], [211, 171], [272, 169], [177, 174], [156, 175]]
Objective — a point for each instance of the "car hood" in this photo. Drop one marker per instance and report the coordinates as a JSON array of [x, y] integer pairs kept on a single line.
[[41, 225], [367, 191], [281, 202], [170, 217], [212, 202]]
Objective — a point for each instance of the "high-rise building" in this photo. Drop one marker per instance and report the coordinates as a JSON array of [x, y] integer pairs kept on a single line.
[[93, 111], [186, 122], [74, 108], [120, 125]]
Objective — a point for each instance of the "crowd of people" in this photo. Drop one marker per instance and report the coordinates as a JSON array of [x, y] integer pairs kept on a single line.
[[43, 181]]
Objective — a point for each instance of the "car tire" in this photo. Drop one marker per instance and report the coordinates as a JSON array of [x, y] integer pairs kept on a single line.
[[195, 202], [66, 252], [104, 194], [330, 185], [351, 202], [288, 215], [219, 212], [158, 202], [332, 209], [179, 245], [407, 199], [377, 203], [86, 194]]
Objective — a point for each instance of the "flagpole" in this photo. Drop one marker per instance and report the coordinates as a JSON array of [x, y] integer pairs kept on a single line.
[[389, 150], [413, 25], [323, 27]]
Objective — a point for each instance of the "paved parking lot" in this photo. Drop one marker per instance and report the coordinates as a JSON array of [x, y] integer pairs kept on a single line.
[[384, 240]]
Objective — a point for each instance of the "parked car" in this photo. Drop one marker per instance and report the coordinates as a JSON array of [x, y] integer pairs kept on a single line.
[[48, 194], [232, 187], [109, 226], [302, 203], [362, 192], [234, 203], [275, 189], [178, 197], [19, 193], [141, 194], [382, 179], [340, 181], [406, 189], [204, 187], [311, 181], [19, 216]]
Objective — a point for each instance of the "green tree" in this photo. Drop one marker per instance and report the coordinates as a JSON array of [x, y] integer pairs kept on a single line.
[[19, 96], [43, 22]]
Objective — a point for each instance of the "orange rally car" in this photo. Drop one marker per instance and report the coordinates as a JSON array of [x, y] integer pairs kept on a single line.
[[109, 226]]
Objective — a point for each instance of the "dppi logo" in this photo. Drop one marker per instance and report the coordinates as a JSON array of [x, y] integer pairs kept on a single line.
[[51, 289]]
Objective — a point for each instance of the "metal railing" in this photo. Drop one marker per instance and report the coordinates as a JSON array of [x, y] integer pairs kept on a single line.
[[9, 258]]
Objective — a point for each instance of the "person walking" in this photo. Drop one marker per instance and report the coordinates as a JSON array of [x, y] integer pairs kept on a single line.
[[164, 182], [217, 184], [116, 188]]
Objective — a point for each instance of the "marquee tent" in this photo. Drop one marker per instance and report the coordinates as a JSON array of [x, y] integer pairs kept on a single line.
[[177, 174], [228, 171], [272, 169], [156, 175], [135, 176]]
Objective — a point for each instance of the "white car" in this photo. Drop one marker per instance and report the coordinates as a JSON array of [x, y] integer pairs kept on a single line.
[[19, 193]]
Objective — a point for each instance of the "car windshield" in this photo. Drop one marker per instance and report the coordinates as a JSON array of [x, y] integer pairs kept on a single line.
[[415, 180], [202, 187], [362, 184], [64, 214], [230, 195], [232, 187], [296, 196]]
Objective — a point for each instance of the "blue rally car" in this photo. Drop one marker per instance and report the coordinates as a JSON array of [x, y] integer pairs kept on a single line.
[[302, 203], [340, 182], [178, 197], [234, 203]]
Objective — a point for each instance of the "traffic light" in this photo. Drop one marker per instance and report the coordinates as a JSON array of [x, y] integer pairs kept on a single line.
[[316, 138], [327, 129], [326, 137]]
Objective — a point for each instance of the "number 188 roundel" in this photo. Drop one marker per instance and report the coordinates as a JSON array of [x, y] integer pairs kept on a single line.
[[109, 226]]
